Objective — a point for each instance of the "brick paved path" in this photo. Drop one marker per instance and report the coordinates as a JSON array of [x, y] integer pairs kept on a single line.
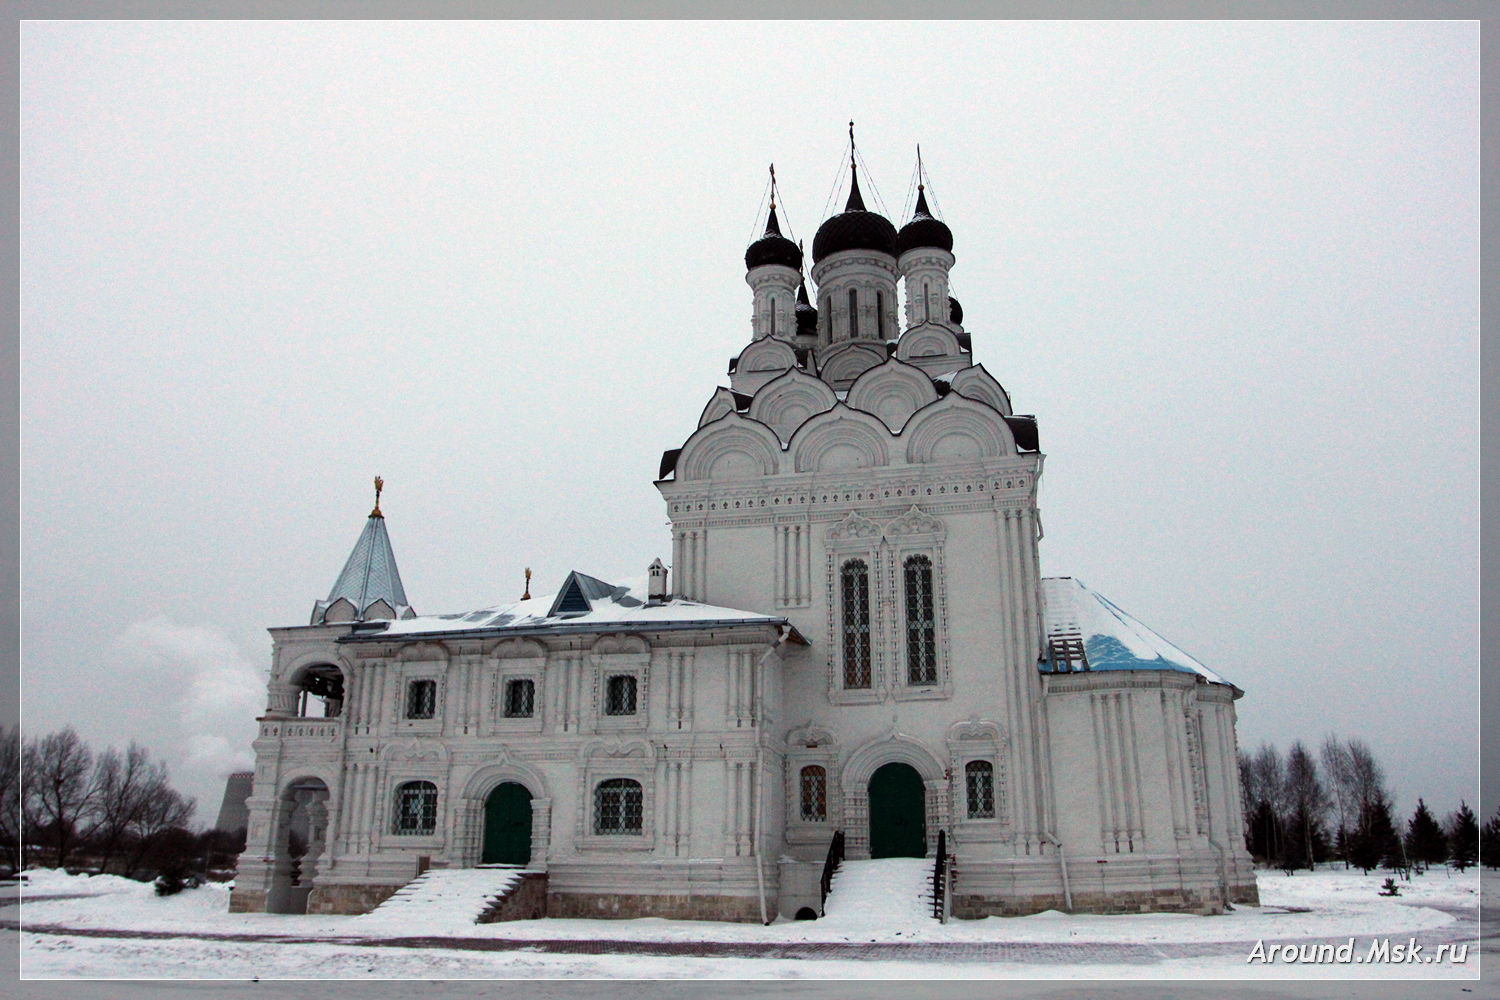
[[1465, 930]]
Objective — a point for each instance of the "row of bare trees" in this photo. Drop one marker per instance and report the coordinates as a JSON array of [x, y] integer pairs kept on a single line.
[[1290, 802], [62, 801]]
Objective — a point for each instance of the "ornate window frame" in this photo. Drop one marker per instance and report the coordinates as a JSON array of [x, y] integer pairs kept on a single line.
[[633, 760], [977, 741], [812, 746], [885, 549], [621, 656], [430, 808]]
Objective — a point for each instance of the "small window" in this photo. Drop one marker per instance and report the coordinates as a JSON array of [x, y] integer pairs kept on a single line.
[[880, 314], [421, 699], [619, 695], [853, 315], [617, 806], [814, 794], [854, 578], [979, 776], [416, 808], [921, 625], [520, 698]]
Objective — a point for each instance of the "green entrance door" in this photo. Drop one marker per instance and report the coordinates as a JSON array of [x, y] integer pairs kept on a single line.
[[898, 813], [507, 826]]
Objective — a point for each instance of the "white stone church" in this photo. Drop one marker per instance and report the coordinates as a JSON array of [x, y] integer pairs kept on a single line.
[[853, 637]]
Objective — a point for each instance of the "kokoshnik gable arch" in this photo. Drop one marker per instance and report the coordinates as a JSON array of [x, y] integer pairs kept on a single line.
[[857, 638]]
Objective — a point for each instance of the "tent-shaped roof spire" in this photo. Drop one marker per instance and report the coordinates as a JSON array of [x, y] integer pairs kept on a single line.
[[369, 587]]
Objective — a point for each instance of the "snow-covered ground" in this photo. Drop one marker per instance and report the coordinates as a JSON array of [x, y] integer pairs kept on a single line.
[[1328, 905]]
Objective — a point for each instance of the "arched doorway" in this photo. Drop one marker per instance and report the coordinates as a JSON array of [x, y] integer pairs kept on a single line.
[[898, 812], [301, 824], [507, 826]]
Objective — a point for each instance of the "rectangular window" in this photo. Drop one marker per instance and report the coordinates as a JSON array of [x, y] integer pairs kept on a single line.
[[618, 807], [421, 699], [853, 315], [416, 808], [520, 698], [921, 624], [979, 776], [619, 695], [814, 794], [854, 578], [880, 314]]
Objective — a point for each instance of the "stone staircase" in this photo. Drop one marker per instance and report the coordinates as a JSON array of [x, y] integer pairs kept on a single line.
[[897, 891], [480, 895]]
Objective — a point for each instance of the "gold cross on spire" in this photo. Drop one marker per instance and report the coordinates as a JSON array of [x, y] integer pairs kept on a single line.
[[379, 485]]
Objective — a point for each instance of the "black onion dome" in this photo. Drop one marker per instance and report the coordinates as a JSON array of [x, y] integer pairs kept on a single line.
[[854, 229], [955, 311], [923, 230], [807, 313], [773, 248]]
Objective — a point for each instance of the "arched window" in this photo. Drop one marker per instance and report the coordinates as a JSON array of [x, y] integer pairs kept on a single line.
[[853, 314], [416, 808], [854, 578], [617, 806], [979, 778], [926, 302], [814, 794], [880, 314], [773, 315], [921, 625]]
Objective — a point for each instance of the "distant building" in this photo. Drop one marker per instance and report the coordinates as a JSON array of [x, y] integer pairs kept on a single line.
[[234, 815], [855, 638]]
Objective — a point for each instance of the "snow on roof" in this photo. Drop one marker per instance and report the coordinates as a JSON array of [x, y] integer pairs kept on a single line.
[[1112, 639], [610, 606]]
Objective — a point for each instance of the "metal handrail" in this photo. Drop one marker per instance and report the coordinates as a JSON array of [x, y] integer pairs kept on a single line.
[[830, 865], [940, 875]]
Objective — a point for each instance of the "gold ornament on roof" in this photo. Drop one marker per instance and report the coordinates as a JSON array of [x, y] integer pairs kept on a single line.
[[527, 595], [379, 485]]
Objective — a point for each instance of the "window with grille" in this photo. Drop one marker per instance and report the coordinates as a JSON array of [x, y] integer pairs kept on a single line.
[[619, 695], [854, 579], [421, 699], [921, 625], [617, 806], [416, 808], [814, 794], [979, 776], [520, 698]]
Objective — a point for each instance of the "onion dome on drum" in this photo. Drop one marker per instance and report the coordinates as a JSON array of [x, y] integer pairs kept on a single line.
[[854, 229], [773, 248], [955, 311], [807, 313], [923, 230]]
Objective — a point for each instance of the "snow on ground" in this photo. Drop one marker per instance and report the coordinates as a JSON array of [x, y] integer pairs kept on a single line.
[[1337, 904]]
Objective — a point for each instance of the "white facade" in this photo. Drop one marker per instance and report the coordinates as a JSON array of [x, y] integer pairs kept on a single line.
[[860, 640]]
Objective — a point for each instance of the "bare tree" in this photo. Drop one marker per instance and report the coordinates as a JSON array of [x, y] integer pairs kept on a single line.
[[1338, 770], [122, 785], [1265, 781], [57, 789], [162, 809], [10, 796]]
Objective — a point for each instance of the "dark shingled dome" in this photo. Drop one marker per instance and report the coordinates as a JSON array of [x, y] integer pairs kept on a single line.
[[923, 230], [955, 311], [854, 229], [773, 248], [807, 314]]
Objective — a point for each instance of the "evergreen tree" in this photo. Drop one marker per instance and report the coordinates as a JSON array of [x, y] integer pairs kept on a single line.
[[1374, 842], [1426, 844], [1463, 837], [1489, 841]]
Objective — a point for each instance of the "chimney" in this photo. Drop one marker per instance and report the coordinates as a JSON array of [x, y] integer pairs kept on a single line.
[[657, 591]]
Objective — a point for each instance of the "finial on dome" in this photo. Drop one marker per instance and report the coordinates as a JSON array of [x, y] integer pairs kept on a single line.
[[526, 594], [379, 485]]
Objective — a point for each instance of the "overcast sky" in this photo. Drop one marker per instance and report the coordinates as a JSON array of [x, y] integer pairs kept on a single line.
[[1232, 268]]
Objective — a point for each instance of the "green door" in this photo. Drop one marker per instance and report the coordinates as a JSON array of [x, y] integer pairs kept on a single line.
[[507, 826], [898, 813]]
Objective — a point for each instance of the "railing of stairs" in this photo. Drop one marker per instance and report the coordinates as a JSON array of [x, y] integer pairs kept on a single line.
[[940, 875], [831, 865]]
